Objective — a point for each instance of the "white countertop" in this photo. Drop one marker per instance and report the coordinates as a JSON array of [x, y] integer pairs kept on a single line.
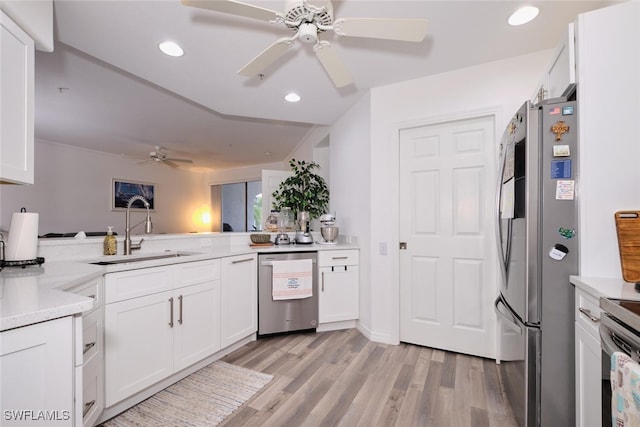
[[606, 287], [38, 293], [32, 294]]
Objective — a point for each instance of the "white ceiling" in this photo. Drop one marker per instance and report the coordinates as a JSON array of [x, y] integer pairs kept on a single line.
[[120, 94]]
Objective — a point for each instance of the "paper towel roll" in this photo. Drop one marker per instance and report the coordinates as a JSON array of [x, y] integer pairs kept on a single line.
[[22, 244]]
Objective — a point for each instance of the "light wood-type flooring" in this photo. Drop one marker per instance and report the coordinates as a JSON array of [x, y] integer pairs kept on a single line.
[[340, 378]]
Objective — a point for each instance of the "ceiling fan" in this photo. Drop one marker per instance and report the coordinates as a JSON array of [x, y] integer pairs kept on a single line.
[[159, 156], [308, 21]]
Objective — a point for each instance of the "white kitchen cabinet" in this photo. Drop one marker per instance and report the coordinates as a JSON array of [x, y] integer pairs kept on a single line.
[[561, 71], [17, 82], [138, 344], [89, 357], [152, 335], [338, 298], [588, 360], [239, 298], [37, 366], [197, 334]]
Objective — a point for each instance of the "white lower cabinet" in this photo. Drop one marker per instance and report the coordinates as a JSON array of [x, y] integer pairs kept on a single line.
[[89, 358], [338, 298], [239, 297], [588, 362], [37, 365], [150, 337]]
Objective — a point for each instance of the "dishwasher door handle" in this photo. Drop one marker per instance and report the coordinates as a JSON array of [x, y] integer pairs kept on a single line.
[[270, 263]]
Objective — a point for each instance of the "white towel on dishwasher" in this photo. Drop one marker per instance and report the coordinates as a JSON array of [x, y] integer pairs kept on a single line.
[[292, 279]]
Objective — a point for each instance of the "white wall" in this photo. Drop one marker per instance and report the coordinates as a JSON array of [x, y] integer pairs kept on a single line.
[[350, 190], [608, 60], [72, 192], [496, 88]]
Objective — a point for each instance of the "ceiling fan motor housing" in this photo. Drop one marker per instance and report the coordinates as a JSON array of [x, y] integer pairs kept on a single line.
[[320, 12]]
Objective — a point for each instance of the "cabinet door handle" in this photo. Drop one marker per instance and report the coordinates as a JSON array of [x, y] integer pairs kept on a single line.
[[323, 281], [171, 311], [587, 313], [180, 315], [92, 296], [87, 407], [241, 260], [88, 347]]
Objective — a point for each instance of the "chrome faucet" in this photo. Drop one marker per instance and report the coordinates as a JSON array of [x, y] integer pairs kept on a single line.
[[148, 227]]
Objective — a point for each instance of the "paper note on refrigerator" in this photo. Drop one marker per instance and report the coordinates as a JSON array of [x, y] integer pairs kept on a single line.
[[507, 201], [565, 189]]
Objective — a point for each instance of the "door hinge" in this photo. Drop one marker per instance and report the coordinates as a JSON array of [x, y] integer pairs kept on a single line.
[[403, 245]]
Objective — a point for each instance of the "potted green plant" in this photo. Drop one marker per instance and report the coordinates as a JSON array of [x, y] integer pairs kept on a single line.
[[303, 191]]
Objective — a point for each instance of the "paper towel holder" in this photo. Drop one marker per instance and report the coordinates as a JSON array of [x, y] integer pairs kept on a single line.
[[17, 263]]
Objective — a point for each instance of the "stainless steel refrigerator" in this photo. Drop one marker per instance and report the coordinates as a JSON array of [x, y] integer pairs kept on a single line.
[[538, 242]]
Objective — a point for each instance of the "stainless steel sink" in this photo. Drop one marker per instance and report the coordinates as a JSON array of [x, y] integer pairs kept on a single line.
[[142, 258]]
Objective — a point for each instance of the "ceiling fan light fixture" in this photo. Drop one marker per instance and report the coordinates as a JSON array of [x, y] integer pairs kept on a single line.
[[292, 97], [171, 48], [523, 15]]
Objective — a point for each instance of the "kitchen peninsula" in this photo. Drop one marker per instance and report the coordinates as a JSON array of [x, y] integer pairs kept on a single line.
[[72, 304]]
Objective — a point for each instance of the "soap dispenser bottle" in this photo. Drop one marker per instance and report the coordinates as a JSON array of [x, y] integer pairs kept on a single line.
[[110, 243]]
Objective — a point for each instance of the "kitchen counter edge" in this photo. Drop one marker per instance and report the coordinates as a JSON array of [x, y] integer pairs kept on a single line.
[[51, 294], [606, 287]]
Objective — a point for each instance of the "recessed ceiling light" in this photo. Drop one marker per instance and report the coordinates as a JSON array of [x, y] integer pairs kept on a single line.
[[171, 49], [292, 97], [523, 15]]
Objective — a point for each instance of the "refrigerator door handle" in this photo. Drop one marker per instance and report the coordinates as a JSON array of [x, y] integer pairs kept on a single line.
[[504, 255], [509, 319]]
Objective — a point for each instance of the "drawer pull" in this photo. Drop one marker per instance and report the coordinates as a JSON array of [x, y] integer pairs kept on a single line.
[[241, 260], [587, 313], [339, 257], [92, 296], [88, 347], [87, 407]]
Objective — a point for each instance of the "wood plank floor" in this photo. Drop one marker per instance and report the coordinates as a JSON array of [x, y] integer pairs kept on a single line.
[[340, 378]]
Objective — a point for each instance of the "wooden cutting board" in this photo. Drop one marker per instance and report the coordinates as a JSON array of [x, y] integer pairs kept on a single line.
[[628, 230]]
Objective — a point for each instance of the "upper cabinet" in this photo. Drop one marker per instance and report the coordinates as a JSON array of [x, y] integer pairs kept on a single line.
[[16, 103], [561, 72]]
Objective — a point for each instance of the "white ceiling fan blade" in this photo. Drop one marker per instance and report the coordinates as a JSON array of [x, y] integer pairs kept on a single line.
[[179, 160], [234, 8], [410, 30], [332, 64], [266, 57]]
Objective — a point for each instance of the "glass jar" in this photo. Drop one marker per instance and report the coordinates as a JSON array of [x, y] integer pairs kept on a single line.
[[287, 219], [271, 224]]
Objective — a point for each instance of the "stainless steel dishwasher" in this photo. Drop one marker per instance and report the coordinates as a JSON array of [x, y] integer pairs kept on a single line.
[[285, 315]]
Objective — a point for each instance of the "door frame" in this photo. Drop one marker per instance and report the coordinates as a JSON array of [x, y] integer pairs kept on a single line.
[[496, 113]]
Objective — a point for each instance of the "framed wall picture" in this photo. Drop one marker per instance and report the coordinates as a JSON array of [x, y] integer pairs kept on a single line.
[[123, 190]]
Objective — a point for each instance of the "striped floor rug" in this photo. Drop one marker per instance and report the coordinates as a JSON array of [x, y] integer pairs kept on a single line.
[[204, 398]]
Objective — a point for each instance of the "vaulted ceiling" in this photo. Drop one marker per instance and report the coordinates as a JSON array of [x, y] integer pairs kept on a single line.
[[108, 87]]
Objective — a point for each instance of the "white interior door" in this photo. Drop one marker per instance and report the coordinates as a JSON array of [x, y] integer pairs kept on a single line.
[[447, 272]]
